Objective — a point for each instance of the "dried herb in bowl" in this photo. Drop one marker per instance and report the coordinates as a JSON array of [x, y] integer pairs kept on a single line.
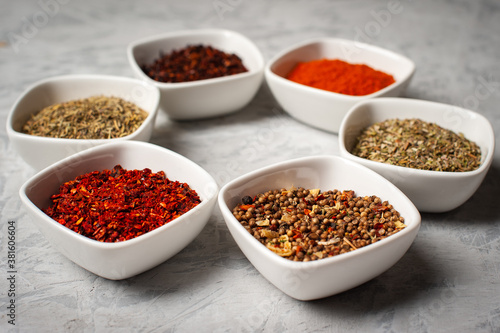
[[306, 224], [417, 144], [96, 117]]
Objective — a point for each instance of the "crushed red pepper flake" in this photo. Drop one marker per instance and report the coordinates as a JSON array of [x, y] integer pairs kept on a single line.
[[246, 207], [117, 205], [193, 63]]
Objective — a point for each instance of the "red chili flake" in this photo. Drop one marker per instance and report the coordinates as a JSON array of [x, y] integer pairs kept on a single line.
[[319, 197], [380, 208], [246, 207], [299, 248], [117, 205], [346, 195], [307, 211], [378, 226], [193, 63], [297, 233]]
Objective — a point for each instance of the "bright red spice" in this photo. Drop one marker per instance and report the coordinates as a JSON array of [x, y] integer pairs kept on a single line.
[[341, 77], [117, 205]]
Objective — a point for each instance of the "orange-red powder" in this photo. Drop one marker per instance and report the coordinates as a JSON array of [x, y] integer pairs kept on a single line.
[[341, 77]]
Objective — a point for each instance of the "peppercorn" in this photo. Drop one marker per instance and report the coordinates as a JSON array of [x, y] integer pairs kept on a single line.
[[315, 225], [247, 200]]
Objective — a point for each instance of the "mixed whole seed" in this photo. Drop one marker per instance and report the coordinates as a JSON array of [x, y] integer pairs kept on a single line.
[[307, 224]]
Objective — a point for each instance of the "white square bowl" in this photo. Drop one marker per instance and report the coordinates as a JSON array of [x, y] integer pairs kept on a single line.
[[203, 98], [124, 259], [324, 109], [324, 277], [39, 152], [430, 191]]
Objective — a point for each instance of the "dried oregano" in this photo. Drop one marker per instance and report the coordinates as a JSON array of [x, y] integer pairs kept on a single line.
[[417, 144]]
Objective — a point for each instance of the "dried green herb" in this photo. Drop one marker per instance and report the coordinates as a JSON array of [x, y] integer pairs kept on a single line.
[[97, 117], [417, 144]]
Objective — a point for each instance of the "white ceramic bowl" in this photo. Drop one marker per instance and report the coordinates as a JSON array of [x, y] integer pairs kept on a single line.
[[324, 277], [122, 259], [203, 98], [324, 109], [430, 191], [40, 152]]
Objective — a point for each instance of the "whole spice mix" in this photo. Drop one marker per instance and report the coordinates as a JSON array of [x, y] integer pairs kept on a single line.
[[96, 117], [192, 63], [117, 205], [340, 77], [307, 224], [417, 144]]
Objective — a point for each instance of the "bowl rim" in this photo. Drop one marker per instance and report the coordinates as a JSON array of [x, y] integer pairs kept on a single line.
[[83, 77], [488, 159], [270, 74], [81, 156], [290, 164], [193, 32]]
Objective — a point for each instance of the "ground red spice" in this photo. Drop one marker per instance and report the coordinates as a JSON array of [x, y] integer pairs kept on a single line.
[[193, 63], [341, 77], [117, 205]]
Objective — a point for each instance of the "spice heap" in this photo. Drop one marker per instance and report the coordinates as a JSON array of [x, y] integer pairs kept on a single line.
[[195, 62], [340, 77], [307, 224], [97, 117], [417, 144], [117, 205]]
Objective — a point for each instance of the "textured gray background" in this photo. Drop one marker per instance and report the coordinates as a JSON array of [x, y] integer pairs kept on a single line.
[[447, 282]]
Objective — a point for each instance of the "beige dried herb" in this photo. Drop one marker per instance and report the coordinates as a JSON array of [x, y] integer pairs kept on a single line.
[[97, 117], [417, 144]]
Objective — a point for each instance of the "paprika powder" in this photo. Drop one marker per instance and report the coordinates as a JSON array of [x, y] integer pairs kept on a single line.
[[117, 205], [341, 77]]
